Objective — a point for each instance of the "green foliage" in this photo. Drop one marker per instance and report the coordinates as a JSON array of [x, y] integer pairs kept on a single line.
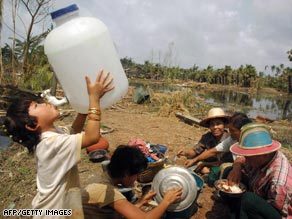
[[127, 62], [279, 81], [24, 170], [40, 79], [38, 74], [244, 76]]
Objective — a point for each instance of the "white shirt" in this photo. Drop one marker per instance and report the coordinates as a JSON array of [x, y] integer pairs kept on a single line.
[[225, 145], [58, 185]]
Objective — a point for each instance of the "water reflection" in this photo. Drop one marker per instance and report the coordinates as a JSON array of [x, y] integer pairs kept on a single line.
[[273, 107], [227, 96]]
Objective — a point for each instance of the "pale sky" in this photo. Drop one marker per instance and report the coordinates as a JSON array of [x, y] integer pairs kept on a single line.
[[201, 32]]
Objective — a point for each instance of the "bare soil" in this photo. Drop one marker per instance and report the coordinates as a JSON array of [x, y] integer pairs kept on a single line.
[[17, 172], [129, 120]]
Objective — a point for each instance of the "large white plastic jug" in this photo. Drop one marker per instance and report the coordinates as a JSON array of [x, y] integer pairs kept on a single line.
[[81, 46]]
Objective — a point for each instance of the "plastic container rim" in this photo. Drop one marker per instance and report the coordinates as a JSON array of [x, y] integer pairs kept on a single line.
[[63, 11]]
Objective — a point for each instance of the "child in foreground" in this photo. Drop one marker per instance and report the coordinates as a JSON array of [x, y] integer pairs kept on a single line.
[[102, 199], [31, 123]]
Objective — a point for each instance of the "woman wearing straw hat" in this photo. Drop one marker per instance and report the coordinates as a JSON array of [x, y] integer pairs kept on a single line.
[[236, 121], [216, 121], [268, 173]]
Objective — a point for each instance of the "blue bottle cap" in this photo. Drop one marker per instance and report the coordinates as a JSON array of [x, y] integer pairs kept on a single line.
[[62, 11]]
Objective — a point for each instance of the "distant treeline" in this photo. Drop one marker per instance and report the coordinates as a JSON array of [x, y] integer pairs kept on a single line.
[[36, 73], [244, 76], [24, 64]]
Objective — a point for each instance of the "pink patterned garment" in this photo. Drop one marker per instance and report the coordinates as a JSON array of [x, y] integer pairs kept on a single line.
[[141, 144], [274, 183]]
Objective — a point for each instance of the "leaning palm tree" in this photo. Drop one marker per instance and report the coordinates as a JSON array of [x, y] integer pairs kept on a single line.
[[1, 63]]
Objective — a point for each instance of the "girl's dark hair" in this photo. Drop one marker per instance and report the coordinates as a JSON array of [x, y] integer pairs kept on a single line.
[[126, 161], [239, 119], [16, 119]]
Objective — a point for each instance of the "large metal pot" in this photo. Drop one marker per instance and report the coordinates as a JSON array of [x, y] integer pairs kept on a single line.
[[173, 177]]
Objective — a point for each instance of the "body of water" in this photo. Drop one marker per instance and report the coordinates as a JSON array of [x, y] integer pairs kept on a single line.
[[273, 107]]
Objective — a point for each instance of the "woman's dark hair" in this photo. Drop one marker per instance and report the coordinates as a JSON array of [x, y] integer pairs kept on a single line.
[[16, 119], [126, 161], [239, 119]]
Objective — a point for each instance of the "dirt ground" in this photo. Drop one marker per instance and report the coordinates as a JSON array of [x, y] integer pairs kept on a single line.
[[17, 172], [129, 120], [167, 131]]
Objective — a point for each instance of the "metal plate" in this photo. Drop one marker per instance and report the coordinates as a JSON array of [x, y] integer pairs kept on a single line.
[[173, 177]]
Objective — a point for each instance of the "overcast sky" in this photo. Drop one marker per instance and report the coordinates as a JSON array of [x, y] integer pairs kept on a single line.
[[201, 32]]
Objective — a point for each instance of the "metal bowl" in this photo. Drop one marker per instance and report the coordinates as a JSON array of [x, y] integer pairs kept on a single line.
[[175, 177], [229, 193], [97, 155]]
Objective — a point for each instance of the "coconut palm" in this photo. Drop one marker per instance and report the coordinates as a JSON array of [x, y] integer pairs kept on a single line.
[[227, 71], [250, 75]]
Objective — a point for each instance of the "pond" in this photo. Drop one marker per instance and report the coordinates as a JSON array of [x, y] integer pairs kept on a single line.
[[270, 106]]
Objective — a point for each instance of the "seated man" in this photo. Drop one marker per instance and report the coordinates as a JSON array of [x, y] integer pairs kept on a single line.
[[236, 122], [102, 199], [216, 122], [268, 173]]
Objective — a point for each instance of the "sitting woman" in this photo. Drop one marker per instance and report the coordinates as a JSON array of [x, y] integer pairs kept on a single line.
[[216, 122], [102, 199]]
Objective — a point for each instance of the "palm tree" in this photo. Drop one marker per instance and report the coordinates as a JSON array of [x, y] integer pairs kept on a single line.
[[218, 76], [250, 75], [209, 73], [239, 75], [227, 71], [273, 68]]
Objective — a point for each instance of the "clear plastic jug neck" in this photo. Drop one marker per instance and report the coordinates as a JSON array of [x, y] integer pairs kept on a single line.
[[66, 17]]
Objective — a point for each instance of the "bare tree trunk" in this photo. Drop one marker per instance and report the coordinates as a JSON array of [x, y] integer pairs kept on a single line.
[[1, 61], [26, 48], [25, 54], [36, 14], [14, 12]]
